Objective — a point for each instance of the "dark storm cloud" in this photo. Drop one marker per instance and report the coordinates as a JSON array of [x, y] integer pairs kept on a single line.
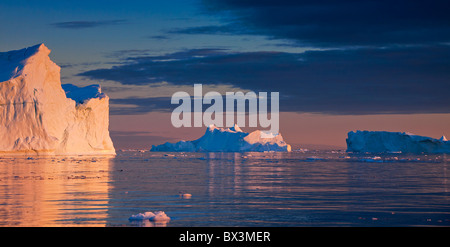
[[334, 23], [86, 24], [404, 79]]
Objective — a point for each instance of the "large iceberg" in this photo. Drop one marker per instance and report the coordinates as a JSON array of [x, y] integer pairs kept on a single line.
[[228, 140], [384, 141], [38, 117]]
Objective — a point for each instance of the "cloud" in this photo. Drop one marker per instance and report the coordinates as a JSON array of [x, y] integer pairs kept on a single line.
[[158, 37], [132, 106], [127, 53], [401, 79], [233, 28], [334, 23], [86, 24]]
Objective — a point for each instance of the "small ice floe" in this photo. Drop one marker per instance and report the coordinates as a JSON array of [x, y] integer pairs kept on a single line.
[[158, 218], [141, 216], [314, 158], [185, 195], [372, 159]]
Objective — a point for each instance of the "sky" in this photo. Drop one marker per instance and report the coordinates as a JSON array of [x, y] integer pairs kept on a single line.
[[338, 65]]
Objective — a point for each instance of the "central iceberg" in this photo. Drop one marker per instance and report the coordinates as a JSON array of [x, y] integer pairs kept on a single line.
[[228, 140]]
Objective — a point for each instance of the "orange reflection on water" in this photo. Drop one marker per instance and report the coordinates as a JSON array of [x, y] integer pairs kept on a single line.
[[54, 191]]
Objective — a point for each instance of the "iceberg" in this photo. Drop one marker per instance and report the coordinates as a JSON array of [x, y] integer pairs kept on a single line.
[[392, 142], [38, 115], [231, 139]]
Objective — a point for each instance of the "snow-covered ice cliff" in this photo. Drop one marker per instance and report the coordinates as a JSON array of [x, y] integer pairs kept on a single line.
[[36, 115], [228, 140], [384, 141]]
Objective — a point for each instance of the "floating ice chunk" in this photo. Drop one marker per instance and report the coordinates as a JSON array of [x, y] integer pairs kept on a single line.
[[185, 195], [372, 159], [160, 216], [157, 216], [141, 216], [314, 158]]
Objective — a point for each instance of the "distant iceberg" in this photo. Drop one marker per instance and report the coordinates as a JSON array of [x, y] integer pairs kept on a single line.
[[231, 139], [390, 142]]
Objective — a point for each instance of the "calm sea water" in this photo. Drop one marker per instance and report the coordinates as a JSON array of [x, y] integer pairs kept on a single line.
[[327, 188]]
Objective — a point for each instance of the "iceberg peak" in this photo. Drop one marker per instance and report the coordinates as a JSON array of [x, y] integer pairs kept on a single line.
[[213, 127], [39, 48], [28, 52], [13, 63], [443, 139], [236, 128]]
